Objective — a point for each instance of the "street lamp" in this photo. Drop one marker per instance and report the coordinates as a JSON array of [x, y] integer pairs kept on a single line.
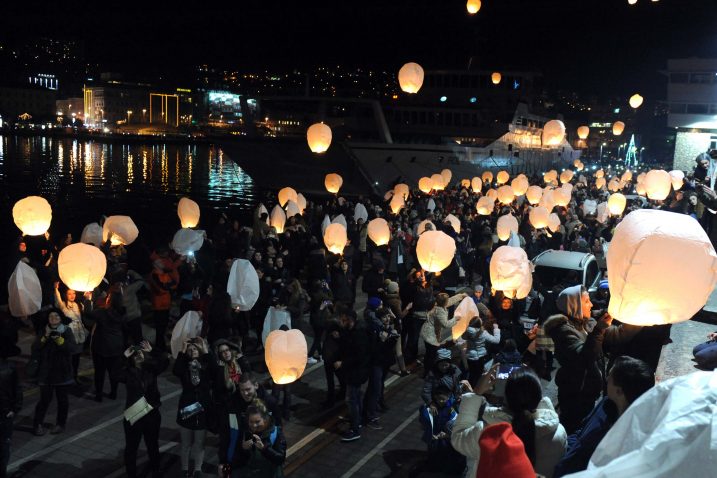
[[603, 144], [144, 111], [129, 115]]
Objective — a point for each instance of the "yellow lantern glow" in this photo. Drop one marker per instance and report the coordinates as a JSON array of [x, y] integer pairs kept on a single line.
[[447, 175], [520, 185], [319, 137], [285, 354], [649, 282], [496, 77], [548, 199], [287, 193], [599, 173], [122, 228], [335, 238], [435, 250], [188, 212], [455, 223], [410, 77], [550, 176], [580, 166], [476, 185], [379, 232], [506, 225], [301, 202], [616, 204], [81, 266], [627, 176], [465, 311], [425, 185], [553, 222], [539, 217], [505, 195], [423, 226], [640, 189], [465, 183], [657, 184], [534, 193], [437, 182], [493, 194], [561, 196], [641, 177], [600, 183], [636, 101], [614, 185], [397, 203], [487, 177], [511, 272], [566, 176], [32, 215], [502, 177], [473, 6], [485, 206], [401, 190], [583, 133], [678, 179], [277, 219], [618, 127], [333, 182], [553, 133]]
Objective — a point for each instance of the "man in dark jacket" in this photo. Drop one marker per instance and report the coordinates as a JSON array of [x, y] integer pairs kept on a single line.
[[355, 363], [373, 279], [107, 342], [10, 390]]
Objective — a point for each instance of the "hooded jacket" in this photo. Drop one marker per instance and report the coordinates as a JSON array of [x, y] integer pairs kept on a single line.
[[438, 319]]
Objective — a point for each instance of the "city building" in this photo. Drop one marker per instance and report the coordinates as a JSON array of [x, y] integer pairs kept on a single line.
[[70, 107], [28, 100]]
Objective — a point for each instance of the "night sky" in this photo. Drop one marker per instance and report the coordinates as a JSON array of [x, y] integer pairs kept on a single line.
[[601, 46]]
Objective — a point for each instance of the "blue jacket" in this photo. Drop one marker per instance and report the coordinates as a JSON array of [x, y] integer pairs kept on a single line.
[[435, 425], [583, 443]]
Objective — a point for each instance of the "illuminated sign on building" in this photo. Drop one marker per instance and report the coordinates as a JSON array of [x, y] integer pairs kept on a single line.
[[46, 81]]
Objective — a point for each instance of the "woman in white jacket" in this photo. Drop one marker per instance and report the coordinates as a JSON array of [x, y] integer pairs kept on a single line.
[[435, 326], [73, 310], [531, 414]]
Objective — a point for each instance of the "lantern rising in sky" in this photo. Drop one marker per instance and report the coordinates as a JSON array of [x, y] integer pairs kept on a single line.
[[435, 250], [473, 6], [410, 77], [319, 137], [32, 215]]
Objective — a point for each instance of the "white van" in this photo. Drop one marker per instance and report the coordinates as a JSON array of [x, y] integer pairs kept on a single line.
[[570, 268]]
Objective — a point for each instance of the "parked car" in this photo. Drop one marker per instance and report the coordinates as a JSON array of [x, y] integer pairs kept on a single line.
[[567, 269]]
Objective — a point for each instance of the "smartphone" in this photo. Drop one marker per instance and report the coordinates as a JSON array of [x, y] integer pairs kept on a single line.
[[501, 378]]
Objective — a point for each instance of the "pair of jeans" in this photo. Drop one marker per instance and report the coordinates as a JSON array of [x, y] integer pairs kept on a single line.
[[6, 426], [192, 440], [63, 403], [108, 365], [329, 371], [374, 392], [146, 427], [355, 405]]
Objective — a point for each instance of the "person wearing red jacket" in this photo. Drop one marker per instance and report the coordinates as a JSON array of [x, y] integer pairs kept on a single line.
[[162, 281]]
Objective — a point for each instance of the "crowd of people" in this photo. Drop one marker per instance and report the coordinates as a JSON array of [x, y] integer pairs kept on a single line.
[[493, 374]]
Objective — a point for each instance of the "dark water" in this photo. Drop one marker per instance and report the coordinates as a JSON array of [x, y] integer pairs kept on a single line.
[[84, 179]]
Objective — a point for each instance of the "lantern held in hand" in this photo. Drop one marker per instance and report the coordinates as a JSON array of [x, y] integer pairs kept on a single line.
[[285, 354], [435, 250], [379, 232], [32, 215], [333, 182], [657, 184], [188, 212], [335, 238], [511, 272], [122, 228], [81, 266], [506, 225]]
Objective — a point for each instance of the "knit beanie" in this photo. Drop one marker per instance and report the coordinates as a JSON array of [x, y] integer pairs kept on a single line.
[[502, 454], [392, 287]]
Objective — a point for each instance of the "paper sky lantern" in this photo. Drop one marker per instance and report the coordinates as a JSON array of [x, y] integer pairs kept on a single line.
[[600, 183], [431, 206], [520, 185], [548, 200], [464, 312], [473, 6], [447, 175], [325, 223], [301, 202], [92, 234], [616, 204], [410, 77], [678, 179], [487, 177], [333, 182], [505, 195], [496, 77], [422, 226], [292, 209], [561, 196], [188, 212], [636, 101], [506, 225], [455, 223], [360, 212], [476, 185], [618, 127], [340, 219], [287, 193], [599, 173], [626, 176], [567, 187], [603, 213], [435, 250], [379, 232], [465, 183], [335, 238], [425, 185], [437, 182], [187, 241], [583, 133], [640, 189], [32, 215], [396, 204], [485, 206], [580, 166], [401, 190], [81, 266], [566, 176], [277, 219], [122, 228], [319, 137], [502, 177], [649, 282], [657, 184], [553, 222], [641, 177], [550, 176], [511, 272], [534, 193], [631, 2], [243, 284], [493, 194], [589, 207], [285, 354], [539, 217], [553, 133], [614, 185], [24, 291]]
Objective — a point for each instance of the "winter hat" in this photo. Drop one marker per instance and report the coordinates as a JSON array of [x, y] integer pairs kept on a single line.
[[603, 284], [569, 302], [443, 354], [373, 303], [502, 454], [392, 287]]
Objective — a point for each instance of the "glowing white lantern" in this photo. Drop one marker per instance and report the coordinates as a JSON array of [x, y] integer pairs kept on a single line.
[[539, 217], [649, 282], [614, 185], [465, 311], [496, 77], [447, 175], [626, 176], [32, 215], [465, 183], [534, 193], [340, 219], [187, 241], [485, 206], [640, 189], [487, 177], [599, 173], [122, 228], [583, 133], [493, 194], [473, 6], [616, 204], [435, 250], [437, 182], [550, 176], [285, 354], [520, 185], [24, 291], [580, 166], [455, 223], [553, 222], [333, 182], [636, 101], [566, 176], [548, 199], [505, 195], [287, 193], [81, 266], [243, 284], [502, 177], [618, 127], [431, 206], [301, 202], [600, 183], [561, 196], [292, 209], [379, 232], [553, 133], [319, 137], [401, 190], [511, 272], [92, 234], [277, 219], [188, 212], [335, 238], [641, 177], [590, 207], [425, 185], [506, 225], [476, 185], [360, 212], [325, 223], [657, 184], [396, 204], [410, 77], [678, 179], [423, 226], [631, 2]]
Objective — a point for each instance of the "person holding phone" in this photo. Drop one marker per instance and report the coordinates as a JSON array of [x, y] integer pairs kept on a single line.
[[262, 451]]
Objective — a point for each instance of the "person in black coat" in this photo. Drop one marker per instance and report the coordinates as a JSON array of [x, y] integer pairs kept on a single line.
[[140, 376], [107, 342], [249, 391], [373, 279], [10, 390], [332, 354], [343, 284], [53, 351], [193, 369]]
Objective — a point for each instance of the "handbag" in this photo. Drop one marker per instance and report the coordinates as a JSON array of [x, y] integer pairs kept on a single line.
[[191, 410], [137, 410]]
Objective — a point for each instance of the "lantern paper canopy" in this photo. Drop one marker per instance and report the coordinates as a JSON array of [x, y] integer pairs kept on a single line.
[[92, 234], [493, 194], [437, 182], [534, 193], [553, 222], [657, 184], [511, 272], [550, 176], [340, 219], [122, 228], [447, 175], [287, 193], [243, 284], [465, 183], [487, 177], [539, 217], [333, 182], [455, 223], [277, 219], [496, 77], [292, 209], [502, 177], [476, 185], [401, 190], [567, 187], [548, 200], [650, 283], [435, 250], [580, 166], [81, 266], [618, 127], [616, 204], [396, 204], [410, 77], [319, 137], [485, 206], [614, 185], [187, 241], [32, 215], [626, 176], [188, 212], [600, 183], [335, 238], [285, 354], [599, 173], [640, 189], [520, 185], [325, 223], [425, 185], [566, 176], [636, 101], [465, 311], [553, 133], [379, 232], [583, 133], [422, 226], [589, 207], [360, 212], [631, 2], [473, 6], [301, 202], [24, 291], [561, 196], [603, 213], [506, 225], [505, 195], [431, 206], [678, 179]]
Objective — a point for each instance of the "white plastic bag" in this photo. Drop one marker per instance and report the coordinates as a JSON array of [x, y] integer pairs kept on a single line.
[[243, 284], [274, 319], [188, 327], [24, 291]]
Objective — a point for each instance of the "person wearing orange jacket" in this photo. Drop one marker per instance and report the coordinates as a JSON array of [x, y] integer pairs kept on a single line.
[[162, 281]]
